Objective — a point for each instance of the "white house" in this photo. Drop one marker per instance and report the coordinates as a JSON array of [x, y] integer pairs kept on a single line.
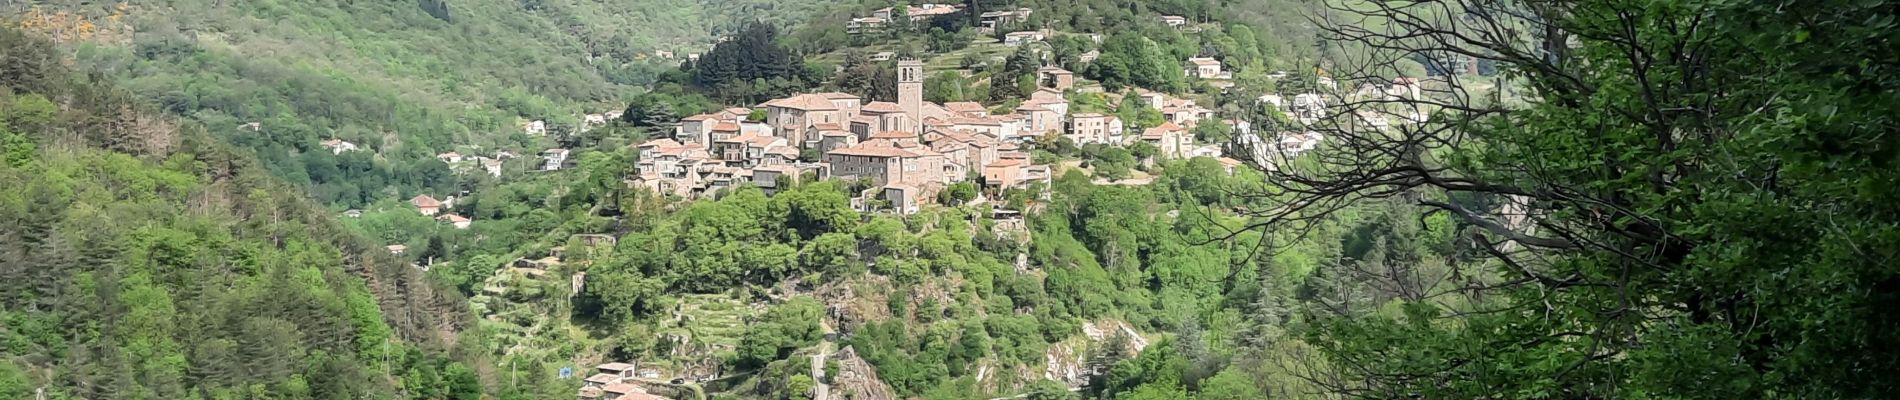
[[1204, 67], [1021, 38], [555, 159], [338, 146]]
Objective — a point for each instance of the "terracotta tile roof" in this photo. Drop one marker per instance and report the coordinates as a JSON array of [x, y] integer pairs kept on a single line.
[[763, 141], [948, 146], [966, 107], [864, 119], [977, 121], [827, 127], [833, 133], [839, 96], [881, 107], [453, 218], [623, 388], [1160, 132], [807, 102], [602, 378], [423, 200], [725, 127], [701, 117], [1203, 61], [893, 135]]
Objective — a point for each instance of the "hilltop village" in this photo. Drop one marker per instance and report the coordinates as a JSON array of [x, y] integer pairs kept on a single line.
[[897, 155]]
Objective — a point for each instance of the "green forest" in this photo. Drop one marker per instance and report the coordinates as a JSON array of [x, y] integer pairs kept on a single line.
[[1659, 199]]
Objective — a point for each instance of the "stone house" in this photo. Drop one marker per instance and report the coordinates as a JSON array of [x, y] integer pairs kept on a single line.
[[967, 109], [792, 118], [1170, 139], [1055, 77], [885, 162]]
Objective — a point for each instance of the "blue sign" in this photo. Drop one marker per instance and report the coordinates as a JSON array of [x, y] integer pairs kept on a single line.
[[567, 372]]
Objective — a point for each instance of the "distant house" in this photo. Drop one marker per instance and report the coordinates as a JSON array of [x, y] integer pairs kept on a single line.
[[1089, 57], [1405, 87], [1274, 99], [353, 213], [1230, 164], [338, 146], [253, 127], [919, 13], [535, 127], [449, 157], [1309, 107], [460, 222], [864, 25], [883, 56], [627, 391], [1170, 139], [1174, 21], [1055, 77], [600, 380], [1004, 173], [425, 204], [594, 119], [619, 369], [1086, 128], [988, 22], [555, 159], [613, 114], [492, 166], [1021, 38], [397, 249], [967, 108], [1204, 68]]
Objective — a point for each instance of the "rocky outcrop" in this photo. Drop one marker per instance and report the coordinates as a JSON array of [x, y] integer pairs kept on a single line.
[[857, 379]]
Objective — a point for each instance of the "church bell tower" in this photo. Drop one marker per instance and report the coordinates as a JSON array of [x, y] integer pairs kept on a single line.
[[910, 93]]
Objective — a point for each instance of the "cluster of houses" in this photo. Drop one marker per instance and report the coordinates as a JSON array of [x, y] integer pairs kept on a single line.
[[617, 381], [882, 18], [428, 205], [907, 151]]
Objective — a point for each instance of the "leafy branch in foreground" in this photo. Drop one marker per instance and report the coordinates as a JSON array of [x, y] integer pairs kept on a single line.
[[1675, 198]]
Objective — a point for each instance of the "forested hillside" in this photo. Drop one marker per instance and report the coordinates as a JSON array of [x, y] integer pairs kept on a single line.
[[1655, 199], [142, 258], [404, 80]]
